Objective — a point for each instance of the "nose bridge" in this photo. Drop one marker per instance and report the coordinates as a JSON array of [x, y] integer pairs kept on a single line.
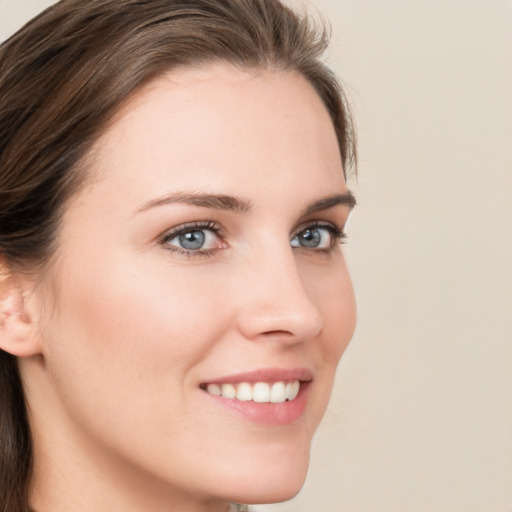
[[276, 301]]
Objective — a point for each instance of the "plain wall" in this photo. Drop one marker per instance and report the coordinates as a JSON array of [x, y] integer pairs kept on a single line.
[[421, 416]]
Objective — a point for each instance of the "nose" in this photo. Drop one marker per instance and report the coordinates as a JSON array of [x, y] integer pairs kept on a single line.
[[275, 303]]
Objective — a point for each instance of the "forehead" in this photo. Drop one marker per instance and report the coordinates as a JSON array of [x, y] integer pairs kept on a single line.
[[219, 126]]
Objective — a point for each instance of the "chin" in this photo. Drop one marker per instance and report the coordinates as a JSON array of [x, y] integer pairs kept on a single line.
[[277, 494], [272, 493], [272, 483]]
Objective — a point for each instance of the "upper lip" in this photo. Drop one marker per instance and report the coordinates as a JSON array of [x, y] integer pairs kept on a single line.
[[266, 375]]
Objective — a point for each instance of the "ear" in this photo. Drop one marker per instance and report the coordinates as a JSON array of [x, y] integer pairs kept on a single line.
[[18, 329]]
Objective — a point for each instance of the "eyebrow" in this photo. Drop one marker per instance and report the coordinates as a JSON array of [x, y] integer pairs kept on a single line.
[[325, 203], [236, 204], [214, 201]]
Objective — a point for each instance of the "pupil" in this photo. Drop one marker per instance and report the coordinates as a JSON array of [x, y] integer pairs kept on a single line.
[[192, 240], [310, 238]]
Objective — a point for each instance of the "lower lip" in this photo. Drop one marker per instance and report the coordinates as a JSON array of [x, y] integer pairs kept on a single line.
[[283, 413]]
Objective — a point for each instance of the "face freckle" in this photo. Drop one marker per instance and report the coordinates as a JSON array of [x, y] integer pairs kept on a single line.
[[143, 323]]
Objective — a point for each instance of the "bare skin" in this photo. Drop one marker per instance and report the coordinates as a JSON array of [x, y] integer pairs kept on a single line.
[[190, 258]]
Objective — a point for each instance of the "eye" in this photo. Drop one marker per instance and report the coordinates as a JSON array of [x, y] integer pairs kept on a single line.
[[198, 238], [318, 236]]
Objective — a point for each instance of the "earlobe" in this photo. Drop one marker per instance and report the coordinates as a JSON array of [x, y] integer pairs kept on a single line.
[[17, 326]]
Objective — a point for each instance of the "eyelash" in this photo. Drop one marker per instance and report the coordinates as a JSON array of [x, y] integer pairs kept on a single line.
[[211, 226], [338, 236]]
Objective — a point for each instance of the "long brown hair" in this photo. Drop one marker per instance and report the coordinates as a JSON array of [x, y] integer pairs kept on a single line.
[[62, 78]]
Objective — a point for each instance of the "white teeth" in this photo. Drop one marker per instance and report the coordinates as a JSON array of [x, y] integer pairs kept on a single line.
[[260, 392], [294, 391], [214, 389], [278, 393], [228, 390], [244, 392]]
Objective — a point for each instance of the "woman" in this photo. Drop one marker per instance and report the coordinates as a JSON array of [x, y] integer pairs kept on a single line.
[[173, 298]]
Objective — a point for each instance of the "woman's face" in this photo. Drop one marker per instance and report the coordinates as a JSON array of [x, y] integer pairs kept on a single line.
[[204, 254]]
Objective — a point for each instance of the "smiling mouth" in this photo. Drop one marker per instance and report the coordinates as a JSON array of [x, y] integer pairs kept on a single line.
[[259, 392]]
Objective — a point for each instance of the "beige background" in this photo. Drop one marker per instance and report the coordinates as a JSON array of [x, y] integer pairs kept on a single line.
[[421, 417]]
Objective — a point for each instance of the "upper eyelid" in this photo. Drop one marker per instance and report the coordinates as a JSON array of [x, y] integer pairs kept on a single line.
[[216, 227], [218, 230], [337, 232], [318, 223], [172, 233], [190, 226]]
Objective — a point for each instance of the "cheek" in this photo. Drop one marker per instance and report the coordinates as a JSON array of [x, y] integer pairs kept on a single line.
[[128, 337], [342, 312], [333, 294], [128, 310]]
